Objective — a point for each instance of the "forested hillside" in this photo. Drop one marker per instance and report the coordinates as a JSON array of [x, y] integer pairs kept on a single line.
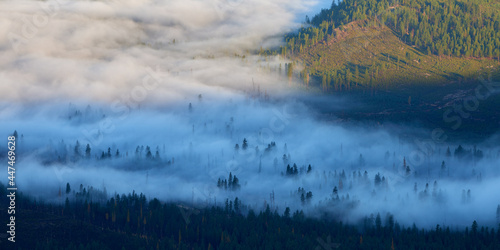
[[373, 43], [459, 28]]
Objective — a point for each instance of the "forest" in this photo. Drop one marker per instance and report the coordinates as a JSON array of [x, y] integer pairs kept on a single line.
[[91, 220], [77, 216], [457, 28], [360, 44]]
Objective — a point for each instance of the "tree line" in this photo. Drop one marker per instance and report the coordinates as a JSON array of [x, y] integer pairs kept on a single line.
[[134, 222]]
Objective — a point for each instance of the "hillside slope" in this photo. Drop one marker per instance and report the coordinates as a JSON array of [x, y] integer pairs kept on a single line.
[[375, 56], [398, 43]]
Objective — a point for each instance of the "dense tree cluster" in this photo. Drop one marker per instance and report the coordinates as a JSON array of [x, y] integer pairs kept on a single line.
[[292, 170], [380, 181], [305, 197], [134, 222], [270, 147], [63, 153], [468, 154], [454, 28], [232, 183]]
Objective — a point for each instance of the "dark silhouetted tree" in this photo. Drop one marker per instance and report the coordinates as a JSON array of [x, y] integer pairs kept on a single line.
[[87, 151], [377, 179], [286, 214], [378, 222], [77, 149], [149, 155], [244, 146], [448, 152]]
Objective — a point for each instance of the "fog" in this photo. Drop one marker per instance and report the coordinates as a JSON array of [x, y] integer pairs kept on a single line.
[[110, 74]]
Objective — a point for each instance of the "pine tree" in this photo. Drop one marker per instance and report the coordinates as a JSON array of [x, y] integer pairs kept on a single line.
[[244, 146], [295, 169], [356, 74], [77, 149], [87, 151], [309, 195], [474, 227], [286, 214], [498, 214], [377, 179], [237, 203], [236, 183], [378, 222], [66, 205]]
